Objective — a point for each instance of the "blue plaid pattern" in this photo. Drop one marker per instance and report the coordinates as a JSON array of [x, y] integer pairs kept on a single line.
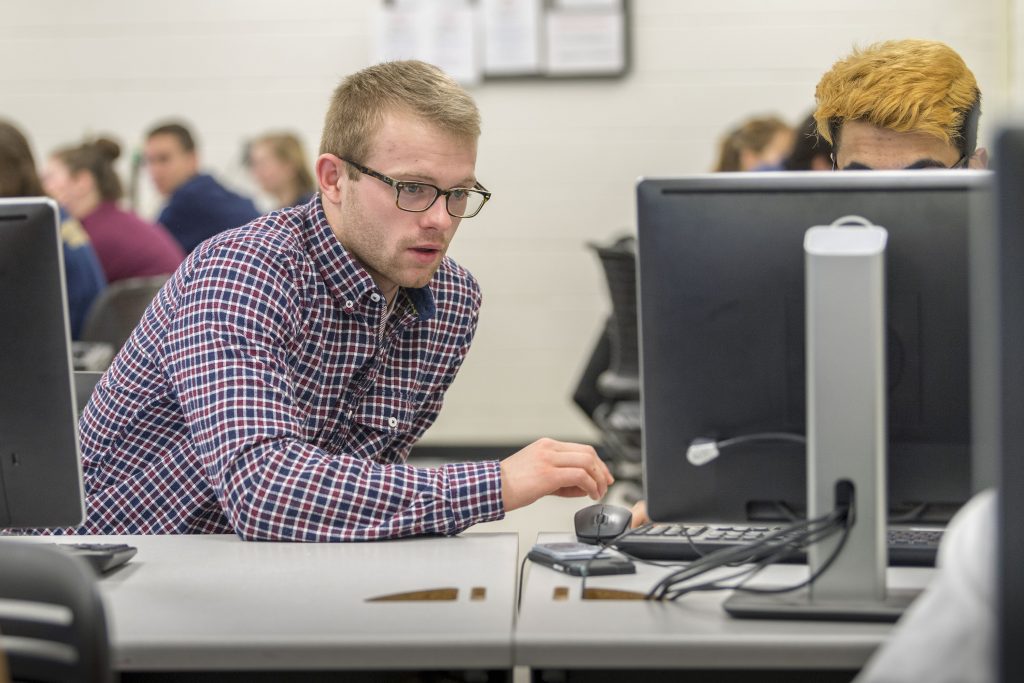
[[256, 397]]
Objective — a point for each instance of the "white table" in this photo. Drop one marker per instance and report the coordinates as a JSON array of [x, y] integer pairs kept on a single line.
[[215, 603], [693, 633]]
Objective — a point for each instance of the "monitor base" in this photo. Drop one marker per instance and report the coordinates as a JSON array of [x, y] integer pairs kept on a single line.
[[798, 605]]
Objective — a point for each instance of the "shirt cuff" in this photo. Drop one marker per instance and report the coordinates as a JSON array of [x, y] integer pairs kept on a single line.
[[474, 493]]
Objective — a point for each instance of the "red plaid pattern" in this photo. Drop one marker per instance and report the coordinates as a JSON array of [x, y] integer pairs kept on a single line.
[[256, 397]]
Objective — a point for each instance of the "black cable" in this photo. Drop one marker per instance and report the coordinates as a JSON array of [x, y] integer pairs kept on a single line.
[[519, 593], [914, 514], [840, 518], [787, 510], [753, 570], [778, 544], [743, 552], [810, 579], [604, 545]]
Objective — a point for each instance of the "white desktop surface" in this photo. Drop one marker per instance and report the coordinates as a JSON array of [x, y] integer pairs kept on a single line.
[[692, 633], [191, 603]]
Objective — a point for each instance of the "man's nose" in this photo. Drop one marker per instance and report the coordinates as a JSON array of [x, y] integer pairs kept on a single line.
[[437, 216]]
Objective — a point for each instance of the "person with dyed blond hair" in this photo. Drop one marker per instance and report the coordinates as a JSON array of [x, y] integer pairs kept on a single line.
[[276, 384], [901, 104]]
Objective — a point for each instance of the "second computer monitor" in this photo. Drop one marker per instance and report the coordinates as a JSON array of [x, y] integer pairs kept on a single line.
[[40, 468], [721, 288]]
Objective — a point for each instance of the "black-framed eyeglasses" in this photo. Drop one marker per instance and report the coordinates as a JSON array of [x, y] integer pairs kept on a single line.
[[416, 196]]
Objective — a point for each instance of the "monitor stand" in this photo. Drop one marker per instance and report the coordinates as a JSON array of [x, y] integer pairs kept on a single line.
[[846, 430]]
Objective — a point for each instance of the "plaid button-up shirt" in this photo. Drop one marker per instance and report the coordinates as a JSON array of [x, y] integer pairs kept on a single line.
[[261, 394]]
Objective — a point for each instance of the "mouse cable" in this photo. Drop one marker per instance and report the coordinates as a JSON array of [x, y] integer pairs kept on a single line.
[[519, 591]]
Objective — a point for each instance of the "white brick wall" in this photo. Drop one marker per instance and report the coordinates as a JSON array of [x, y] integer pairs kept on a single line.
[[561, 156]]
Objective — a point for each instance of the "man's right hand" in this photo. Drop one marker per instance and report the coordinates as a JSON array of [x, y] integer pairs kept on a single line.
[[549, 467]]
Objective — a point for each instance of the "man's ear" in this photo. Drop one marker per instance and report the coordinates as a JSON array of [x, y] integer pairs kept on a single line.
[[329, 169], [979, 159]]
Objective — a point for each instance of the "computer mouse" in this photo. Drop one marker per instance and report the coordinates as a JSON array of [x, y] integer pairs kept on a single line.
[[601, 523]]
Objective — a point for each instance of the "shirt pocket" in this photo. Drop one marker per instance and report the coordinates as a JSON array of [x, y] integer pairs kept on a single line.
[[382, 415]]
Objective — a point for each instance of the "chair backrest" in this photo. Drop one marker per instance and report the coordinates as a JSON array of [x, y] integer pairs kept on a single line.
[[118, 309], [85, 382], [622, 379], [52, 623]]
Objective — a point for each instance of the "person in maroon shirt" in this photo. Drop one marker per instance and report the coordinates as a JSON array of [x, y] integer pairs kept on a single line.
[[82, 180]]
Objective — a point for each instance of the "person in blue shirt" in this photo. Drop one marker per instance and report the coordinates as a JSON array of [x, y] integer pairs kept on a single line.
[[198, 207], [83, 275]]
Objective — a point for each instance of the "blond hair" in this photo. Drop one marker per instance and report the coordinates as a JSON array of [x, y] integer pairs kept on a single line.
[[360, 103], [902, 85], [287, 148], [754, 134]]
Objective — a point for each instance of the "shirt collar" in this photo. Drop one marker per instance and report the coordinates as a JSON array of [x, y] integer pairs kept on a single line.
[[346, 278]]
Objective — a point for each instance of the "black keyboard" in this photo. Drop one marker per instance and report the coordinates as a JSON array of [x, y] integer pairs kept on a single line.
[[102, 557], [908, 546]]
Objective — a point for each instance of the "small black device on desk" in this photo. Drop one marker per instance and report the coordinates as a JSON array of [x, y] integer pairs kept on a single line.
[[102, 557], [580, 559]]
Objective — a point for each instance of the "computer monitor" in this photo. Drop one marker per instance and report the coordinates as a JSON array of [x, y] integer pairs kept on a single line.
[[721, 297], [997, 280], [40, 464]]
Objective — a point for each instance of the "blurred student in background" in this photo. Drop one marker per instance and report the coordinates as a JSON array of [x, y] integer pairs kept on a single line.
[[83, 180], [278, 164], [198, 207], [758, 144], [82, 272], [811, 152]]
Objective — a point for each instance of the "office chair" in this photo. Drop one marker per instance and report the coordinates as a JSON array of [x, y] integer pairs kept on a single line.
[[85, 382], [609, 391], [118, 309], [52, 623]]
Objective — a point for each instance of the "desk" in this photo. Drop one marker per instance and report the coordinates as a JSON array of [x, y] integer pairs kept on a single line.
[[218, 604], [575, 640]]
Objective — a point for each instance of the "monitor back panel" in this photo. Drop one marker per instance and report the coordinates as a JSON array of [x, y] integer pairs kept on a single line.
[[721, 279], [40, 472]]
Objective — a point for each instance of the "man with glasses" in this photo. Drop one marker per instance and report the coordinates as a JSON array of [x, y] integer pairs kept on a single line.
[[903, 104], [276, 384]]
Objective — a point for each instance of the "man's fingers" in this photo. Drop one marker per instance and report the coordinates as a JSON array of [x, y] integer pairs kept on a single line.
[[570, 492], [574, 477], [586, 458], [589, 463]]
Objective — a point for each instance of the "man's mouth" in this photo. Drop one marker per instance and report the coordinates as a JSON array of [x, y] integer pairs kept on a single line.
[[425, 253]]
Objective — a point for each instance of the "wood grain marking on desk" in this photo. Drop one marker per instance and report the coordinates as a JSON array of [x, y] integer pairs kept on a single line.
[[478, 593], [414, 596], [560, 593], [612, 594]]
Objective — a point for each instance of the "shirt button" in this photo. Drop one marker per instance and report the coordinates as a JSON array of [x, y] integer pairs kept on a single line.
[[392, 421], [375, 297], [349, 305]]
